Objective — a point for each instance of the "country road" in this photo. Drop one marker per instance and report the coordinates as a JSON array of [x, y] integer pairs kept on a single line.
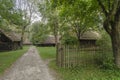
[[29, 67]]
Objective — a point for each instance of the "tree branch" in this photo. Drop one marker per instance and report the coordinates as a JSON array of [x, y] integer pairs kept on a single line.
[[63, 23], [109, 5], [106, 25], [117, 15], [102, 7], [114, 7]]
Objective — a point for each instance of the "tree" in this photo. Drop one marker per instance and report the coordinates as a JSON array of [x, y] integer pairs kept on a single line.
[[79, 16], [50, 12], [39, 33], [5, 9], [8, 14], [111, 24], [27, 8]]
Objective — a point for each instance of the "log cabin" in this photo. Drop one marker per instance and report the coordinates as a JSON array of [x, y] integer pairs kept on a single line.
[[9, 40]]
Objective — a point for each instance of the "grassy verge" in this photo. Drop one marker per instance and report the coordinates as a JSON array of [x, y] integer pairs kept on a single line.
[[8, 58], [81, 72], [47, 52], [86, 73]]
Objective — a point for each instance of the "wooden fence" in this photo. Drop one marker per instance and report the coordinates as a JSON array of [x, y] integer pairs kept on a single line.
[[72, 56]]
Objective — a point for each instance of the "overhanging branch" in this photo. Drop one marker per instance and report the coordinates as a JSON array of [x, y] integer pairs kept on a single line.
[[114, 7], [106, 26], [102, 7]]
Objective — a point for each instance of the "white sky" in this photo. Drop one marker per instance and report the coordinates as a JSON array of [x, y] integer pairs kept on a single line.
[[35, 14], [35, 18]]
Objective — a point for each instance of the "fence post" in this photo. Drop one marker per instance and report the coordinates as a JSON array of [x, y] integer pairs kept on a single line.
[[62, 56]]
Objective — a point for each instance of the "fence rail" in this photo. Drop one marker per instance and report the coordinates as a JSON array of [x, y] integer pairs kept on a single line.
[[71, 56]]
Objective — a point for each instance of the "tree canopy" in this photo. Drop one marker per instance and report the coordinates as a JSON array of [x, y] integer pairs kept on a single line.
[[65, 17]]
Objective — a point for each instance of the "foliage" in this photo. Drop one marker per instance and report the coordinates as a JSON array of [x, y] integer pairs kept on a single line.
[[6, 8], [8, 14], [69, 40], [39, 32], [26, 8], [111, 11], [104, 42], [108, 63], [8, 58], [50, 15], [105, 45], [78, 16]]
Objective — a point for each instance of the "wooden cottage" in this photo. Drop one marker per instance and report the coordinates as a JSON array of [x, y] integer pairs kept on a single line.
[[89, 38], [9, 41], [49, 41]]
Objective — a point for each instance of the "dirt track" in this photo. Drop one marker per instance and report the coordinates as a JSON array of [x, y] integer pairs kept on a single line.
[[28, 67]]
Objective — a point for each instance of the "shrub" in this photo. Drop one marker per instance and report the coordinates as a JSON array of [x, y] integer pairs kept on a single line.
[[70, 40], [105, 41], [106, 58]]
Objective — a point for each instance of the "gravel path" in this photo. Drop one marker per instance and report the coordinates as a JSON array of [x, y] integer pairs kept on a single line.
[[28, 67]]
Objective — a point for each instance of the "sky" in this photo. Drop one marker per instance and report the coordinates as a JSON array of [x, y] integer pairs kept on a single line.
[[36, 17], [21, 4]]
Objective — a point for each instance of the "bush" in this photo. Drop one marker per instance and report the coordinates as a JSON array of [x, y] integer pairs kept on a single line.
[[106, 58], [70, 40], [108, 63], [105, 41]]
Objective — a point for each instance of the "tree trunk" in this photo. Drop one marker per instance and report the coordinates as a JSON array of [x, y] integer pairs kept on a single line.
[[115, 37], [56, 40], [112, 26], [57, 48], [78, 34], [79, 44], [22, 37]]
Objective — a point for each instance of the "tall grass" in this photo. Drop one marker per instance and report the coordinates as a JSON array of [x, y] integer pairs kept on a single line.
[[8, 58], [86, 73]]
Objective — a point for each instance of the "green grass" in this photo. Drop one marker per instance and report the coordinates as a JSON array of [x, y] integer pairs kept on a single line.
[[86, 73], [81, 72], [47, 52], [8, 58]]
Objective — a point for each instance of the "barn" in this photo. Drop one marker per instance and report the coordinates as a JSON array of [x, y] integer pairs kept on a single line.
[[9, 40], [89, 38]]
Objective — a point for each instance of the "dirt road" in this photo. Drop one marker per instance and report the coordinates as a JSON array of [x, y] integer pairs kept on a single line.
[[29, 67]]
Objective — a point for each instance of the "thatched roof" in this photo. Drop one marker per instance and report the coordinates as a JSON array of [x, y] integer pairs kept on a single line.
[[27, 41], [90, 35], [11, 35], [50, 40]]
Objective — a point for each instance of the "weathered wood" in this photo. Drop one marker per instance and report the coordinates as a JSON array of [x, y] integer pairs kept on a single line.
[[9, 41], [79, 56]]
